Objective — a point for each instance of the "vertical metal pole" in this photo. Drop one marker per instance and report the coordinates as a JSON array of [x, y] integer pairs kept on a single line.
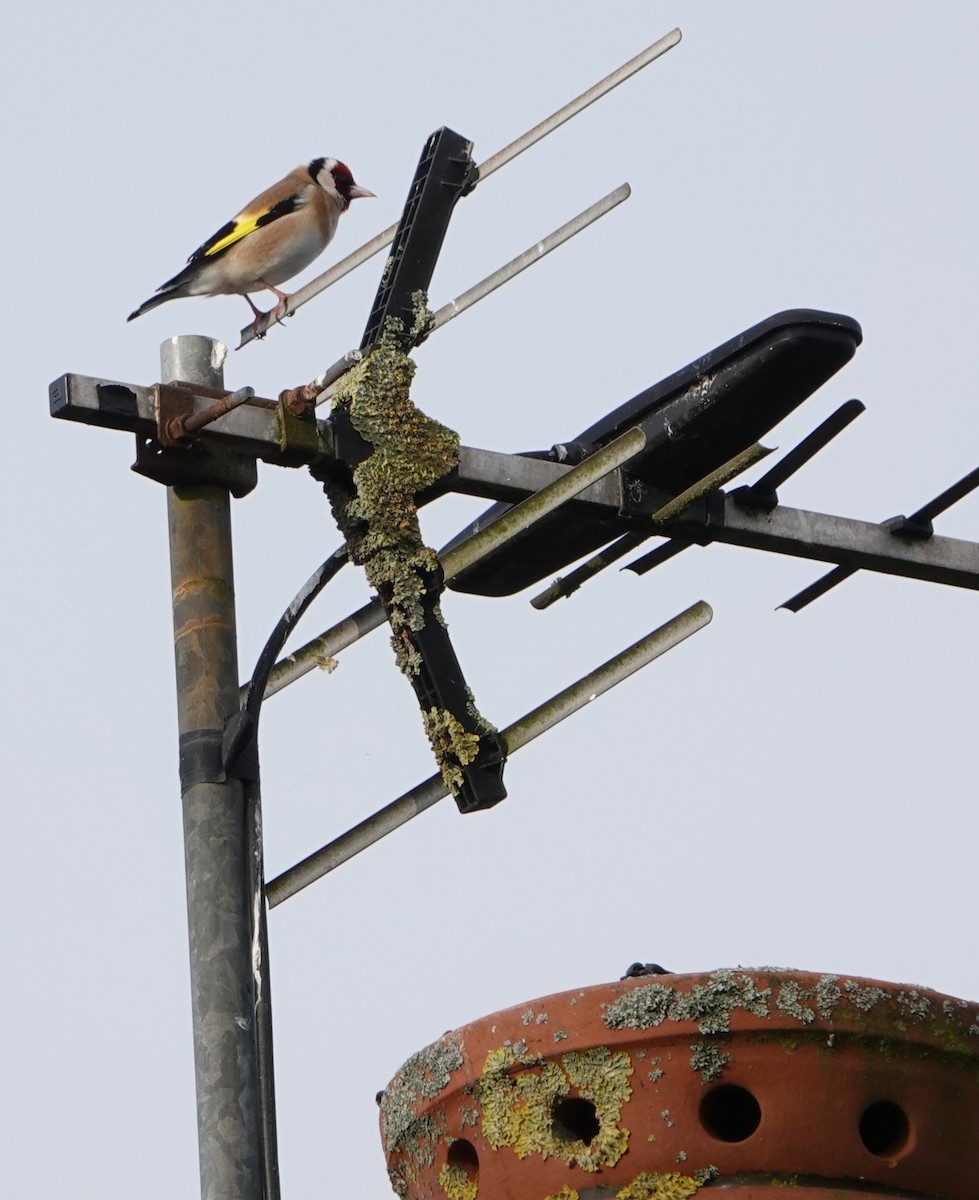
[[217, 835]]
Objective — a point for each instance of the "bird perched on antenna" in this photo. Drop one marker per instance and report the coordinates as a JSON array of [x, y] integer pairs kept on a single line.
[[273, 238]]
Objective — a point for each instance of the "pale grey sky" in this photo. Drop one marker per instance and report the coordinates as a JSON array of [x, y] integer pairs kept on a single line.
[[782, 789]]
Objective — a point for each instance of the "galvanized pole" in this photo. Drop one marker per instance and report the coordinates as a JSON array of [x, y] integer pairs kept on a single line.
[[217, 835]]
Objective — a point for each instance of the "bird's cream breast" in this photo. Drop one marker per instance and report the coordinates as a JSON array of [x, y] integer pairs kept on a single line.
[[276, 252]]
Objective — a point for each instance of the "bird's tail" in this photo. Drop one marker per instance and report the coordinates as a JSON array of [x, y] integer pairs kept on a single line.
[[159, 298]]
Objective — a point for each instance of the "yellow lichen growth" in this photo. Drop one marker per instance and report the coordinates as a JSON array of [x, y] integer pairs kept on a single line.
[[453, 746], [409, 452], [457, 1183], [650, 1185], [566, 1193], [518, 1105], [402, 453]]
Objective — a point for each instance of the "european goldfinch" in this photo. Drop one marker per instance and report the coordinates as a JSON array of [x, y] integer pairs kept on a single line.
[[273, 238]]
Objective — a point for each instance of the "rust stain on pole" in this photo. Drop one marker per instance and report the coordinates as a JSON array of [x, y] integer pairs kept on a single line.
[[205, 638]]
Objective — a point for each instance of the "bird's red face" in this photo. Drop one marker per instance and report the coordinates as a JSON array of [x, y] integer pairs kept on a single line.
[[335, 176]]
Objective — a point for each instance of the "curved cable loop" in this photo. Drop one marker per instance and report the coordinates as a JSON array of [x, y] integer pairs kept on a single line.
[[241, 733]]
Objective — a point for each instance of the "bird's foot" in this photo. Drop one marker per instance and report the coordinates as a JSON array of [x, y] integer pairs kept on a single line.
[[258, 314], [279, 313]]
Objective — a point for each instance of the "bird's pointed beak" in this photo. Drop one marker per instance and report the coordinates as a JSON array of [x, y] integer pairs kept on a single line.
[[360, 193]]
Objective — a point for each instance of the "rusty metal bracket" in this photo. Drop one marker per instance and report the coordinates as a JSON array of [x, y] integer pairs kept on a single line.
[[176, 420], [173, 458], [302, 439], [300, 401], [173, 404], [195, 466]]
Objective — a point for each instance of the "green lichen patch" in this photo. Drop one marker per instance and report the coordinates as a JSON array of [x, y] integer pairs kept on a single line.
[[914, 1005], [397, 333], [642, 1008], [827, 996], [708, 1004], [454, 747], [868, 1005], [421, 1078], [706, 1174], [711, 1004], [376, 510], [790, 999], [421, 317], [871, 1008], [518, 1105], [708, 1060], [863, 997], [417, 1135], [418, 1145]]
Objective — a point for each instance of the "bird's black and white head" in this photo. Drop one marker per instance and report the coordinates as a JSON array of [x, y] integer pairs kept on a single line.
[[336, 179]]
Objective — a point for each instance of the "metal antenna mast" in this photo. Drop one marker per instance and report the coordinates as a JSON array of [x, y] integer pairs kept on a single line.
[[221, 821]]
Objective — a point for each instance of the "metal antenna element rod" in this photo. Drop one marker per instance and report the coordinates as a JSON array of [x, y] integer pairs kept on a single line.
[[951, 495], [573, 107], [567, 585], [716, 479], [766, 487], [539, 720], [528, 512], [819, 588], [570, 583], [185, 426], [493, 163], [514, 521], [320, 651], [482, 289], [505, 273]]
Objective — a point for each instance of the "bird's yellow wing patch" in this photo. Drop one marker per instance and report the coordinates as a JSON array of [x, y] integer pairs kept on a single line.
[[233, 232], [244, 224]]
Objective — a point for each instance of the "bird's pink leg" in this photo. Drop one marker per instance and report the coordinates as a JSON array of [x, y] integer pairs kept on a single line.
[[258, 315], [280, 308]]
